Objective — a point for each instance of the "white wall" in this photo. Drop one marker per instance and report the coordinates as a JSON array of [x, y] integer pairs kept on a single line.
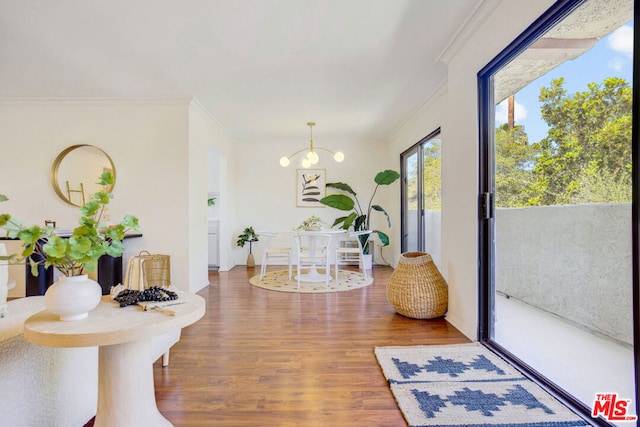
[[156, 165], [205, 134], [454, 109], [425, 120], [267, 191]]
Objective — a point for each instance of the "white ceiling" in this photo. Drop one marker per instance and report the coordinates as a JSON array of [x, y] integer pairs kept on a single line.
[[263, 68]]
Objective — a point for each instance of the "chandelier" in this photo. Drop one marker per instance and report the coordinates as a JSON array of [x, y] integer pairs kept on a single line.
[[312, 156]]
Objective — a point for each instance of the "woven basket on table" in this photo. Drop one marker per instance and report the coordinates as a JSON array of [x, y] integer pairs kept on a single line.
[[416, 288], [157, 269]]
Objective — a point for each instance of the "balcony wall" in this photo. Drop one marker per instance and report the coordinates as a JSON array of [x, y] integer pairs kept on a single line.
[[433, 234], [573, 261]]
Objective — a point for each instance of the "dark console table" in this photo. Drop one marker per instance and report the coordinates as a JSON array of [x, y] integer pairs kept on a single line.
[[109, 273]]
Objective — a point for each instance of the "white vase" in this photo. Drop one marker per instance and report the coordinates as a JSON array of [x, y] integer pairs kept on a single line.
[[4, 290], [73, 297]]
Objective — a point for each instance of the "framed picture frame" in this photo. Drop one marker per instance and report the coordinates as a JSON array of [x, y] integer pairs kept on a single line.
[[310, 187]]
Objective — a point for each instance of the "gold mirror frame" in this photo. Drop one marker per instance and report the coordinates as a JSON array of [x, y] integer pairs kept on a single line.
[[73, 193]]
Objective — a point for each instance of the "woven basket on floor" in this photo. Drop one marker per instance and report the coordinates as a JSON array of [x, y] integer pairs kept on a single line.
[[416, 288]]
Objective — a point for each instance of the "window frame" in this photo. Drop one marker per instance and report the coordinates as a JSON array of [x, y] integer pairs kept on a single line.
[[418, 149], [486, 190]]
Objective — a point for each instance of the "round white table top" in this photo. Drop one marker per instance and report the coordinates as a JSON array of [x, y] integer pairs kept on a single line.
[[323, 231], [109, 324]]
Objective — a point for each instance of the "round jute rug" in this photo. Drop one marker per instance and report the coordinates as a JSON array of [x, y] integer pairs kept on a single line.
[[279, 281]]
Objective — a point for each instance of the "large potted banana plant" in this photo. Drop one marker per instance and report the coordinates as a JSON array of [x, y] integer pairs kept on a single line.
[[359, 218]]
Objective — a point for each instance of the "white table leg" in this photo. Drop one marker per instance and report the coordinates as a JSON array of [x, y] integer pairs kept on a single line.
[[313, 275], [126, 396]]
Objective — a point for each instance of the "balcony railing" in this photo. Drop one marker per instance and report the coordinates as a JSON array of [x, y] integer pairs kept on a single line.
[[573, 261]]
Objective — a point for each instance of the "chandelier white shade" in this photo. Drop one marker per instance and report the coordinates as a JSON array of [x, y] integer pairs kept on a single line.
[[312, 157]]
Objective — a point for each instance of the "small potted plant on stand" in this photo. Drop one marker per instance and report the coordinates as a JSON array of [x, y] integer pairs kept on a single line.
[[360, 219], [248, 236], [74, 295]]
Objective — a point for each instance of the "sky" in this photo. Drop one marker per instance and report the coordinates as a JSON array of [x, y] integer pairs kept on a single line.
[[612, 56]]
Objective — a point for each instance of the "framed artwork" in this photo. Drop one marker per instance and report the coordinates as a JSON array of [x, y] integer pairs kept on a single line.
[[310, 187]]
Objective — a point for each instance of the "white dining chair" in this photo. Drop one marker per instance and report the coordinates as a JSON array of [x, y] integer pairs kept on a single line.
[[274, 254], [346, 254], [313, 252]]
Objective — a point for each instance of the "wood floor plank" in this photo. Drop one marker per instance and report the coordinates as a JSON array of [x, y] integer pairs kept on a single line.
[[264, 358]]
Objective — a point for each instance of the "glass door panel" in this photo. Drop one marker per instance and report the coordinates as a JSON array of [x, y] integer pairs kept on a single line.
[[410, 212], [421, 180], [562, 250], [431, 203]]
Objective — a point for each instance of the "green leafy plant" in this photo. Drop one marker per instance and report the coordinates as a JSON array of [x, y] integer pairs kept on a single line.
[[359, 219], [313, 223], [248, 235], [78, 252]]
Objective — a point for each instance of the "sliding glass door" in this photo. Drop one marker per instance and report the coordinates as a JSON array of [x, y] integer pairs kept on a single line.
[[556, 203], [411, 214], [420, 172]]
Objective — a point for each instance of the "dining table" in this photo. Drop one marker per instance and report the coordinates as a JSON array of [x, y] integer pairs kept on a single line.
[[313, 275]]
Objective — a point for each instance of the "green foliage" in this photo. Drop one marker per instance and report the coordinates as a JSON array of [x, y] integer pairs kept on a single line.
[[585, 157], [88, 241], [432, 177], [603, 188], [248, 235], [338, 201], [514, 167], [313, 223], [386, 177], [359, 219], [589, 134]]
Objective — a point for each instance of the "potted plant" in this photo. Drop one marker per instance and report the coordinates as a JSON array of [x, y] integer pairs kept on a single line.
[[72, 255], [313, 223], [360, 219], [248, 236]]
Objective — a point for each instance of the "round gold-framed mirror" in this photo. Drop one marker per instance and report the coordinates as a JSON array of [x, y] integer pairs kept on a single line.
[[76, 170]]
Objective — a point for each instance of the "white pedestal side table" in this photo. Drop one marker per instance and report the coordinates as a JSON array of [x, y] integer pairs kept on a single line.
[[126, 395]]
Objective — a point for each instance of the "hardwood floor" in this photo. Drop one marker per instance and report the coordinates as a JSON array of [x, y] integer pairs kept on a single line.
[[263, 358]]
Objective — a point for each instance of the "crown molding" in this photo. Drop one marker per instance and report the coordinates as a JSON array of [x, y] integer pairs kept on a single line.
[[425, 104], [200, 108], [470, 25], [96, 101], [163, 101]]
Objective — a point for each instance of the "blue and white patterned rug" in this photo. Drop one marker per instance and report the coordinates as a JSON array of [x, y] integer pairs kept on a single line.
[[467, 385]]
